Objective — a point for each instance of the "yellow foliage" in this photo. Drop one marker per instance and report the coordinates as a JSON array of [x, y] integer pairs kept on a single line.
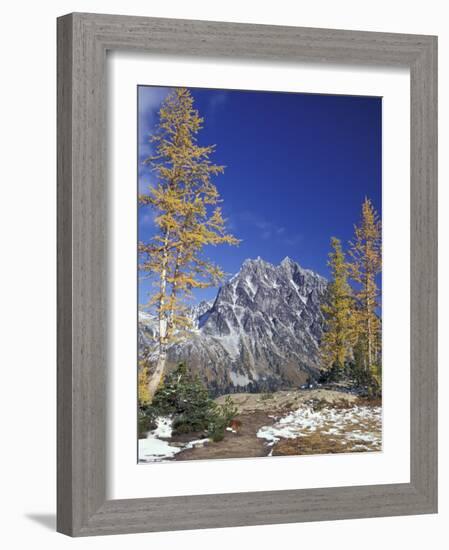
[[142, 389], [340, 329], [366, 254], [188, 218]]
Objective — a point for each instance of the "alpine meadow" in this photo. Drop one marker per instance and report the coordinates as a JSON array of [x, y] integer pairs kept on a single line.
[[259, 274]]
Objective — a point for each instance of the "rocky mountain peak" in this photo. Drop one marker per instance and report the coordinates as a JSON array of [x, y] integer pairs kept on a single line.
[[287, 262], [261, 333]]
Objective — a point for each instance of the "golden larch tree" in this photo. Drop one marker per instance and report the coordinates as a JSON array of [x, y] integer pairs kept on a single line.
[[366, 264], [185, 201], [339, 330]]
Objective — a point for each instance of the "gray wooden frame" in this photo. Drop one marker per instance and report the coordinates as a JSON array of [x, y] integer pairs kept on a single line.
[[83, 40]]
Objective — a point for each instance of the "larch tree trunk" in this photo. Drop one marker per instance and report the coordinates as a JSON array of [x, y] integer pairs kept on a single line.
[[156, 377]]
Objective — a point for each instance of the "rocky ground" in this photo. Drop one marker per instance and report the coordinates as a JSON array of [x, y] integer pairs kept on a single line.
[[311, 421]]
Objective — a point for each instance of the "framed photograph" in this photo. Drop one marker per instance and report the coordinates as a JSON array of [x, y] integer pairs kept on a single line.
[[247, 274]]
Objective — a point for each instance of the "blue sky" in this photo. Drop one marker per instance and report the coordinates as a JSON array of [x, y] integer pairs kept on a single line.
[[298, 167]]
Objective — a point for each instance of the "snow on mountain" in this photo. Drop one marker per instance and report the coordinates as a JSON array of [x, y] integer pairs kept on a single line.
[[148, 325], [199, 313], [146, 332], [261, 333]]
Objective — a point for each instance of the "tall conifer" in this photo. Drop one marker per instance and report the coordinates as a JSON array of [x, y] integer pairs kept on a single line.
[[366, 264], [185, 201], [339, 334]]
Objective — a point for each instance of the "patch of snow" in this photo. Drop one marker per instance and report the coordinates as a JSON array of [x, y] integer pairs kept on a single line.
[[154, 449], [360, 448], [229, 429], [305, 420], [195, 444], [250, 285], [360, 436], [144, 316], [231, 344], [298, 292], [239, 379], [164, 427]]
